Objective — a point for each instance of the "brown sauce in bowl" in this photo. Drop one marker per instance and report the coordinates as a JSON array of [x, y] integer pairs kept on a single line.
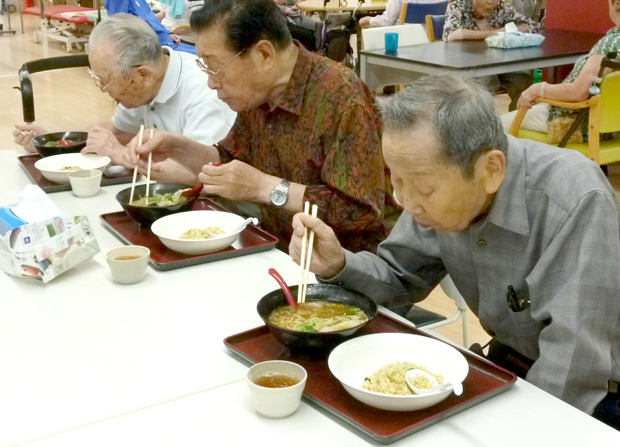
[[275, 380]]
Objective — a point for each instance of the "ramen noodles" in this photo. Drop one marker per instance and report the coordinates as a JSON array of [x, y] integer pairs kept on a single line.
[[318, 316]]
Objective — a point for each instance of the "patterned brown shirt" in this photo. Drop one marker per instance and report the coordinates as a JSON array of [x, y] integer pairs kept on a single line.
[[325, 134]]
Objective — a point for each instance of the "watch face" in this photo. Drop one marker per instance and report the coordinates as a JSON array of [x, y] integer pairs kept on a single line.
[[278, 197]]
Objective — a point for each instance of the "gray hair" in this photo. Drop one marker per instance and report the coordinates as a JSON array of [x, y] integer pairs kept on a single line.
[[130, 38], [461, 113]]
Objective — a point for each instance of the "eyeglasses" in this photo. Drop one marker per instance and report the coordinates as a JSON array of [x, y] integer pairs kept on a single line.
[[210, 72], [98, 82]]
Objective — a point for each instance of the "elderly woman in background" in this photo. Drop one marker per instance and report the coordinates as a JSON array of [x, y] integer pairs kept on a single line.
[[479, 19], [576, 86]]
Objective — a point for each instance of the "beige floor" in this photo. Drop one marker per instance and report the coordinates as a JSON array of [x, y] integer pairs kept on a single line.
[[68, 99]]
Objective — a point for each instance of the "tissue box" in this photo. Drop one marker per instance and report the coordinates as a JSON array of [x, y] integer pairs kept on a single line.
[[514, 40], [46, 249], [38, 241]]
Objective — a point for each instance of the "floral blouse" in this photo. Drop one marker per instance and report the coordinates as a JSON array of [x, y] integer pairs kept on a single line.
[[460, 15]]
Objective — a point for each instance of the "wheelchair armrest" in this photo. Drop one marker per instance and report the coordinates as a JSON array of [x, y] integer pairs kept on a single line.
[[25, 87]]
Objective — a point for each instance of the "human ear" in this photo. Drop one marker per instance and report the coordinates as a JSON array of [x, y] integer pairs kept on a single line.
[[492, 168], [265, 53]]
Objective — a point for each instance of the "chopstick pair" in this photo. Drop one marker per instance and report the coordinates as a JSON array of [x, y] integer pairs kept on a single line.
[[135, 169], [304, 263]]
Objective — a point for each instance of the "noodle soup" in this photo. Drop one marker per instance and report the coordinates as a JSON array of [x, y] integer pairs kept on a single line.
[[318, 316]]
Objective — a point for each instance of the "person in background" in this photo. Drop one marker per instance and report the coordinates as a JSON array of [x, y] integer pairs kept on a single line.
[[529, 233], [140, 8], [178, 12], [306, 129], [576, 87], [392, 13], [154, 86], [301, 27], [478, 19]]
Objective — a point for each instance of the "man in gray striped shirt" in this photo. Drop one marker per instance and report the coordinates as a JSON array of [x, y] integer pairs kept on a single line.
[[498, 214]]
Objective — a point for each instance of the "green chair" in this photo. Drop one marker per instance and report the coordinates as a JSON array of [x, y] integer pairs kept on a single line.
[[604, 118]]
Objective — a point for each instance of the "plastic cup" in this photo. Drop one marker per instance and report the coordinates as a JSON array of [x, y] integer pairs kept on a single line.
[[276, 402], [128, 264], [391, 42], [85, 183]]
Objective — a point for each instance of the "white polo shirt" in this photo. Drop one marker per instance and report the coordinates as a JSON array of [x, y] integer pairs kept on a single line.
[[184, 105]]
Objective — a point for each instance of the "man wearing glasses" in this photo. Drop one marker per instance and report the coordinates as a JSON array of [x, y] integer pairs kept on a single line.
[[306, 129], [153, 85]]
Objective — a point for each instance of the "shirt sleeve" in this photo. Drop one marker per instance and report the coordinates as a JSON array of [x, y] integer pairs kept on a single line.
[[208, 121], [406, 268], [510, 14], [454, 20], [391, 16], [574, 295], [352, 193]]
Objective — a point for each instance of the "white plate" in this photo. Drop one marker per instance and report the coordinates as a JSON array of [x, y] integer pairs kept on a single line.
[[360, 357], [169, 228], [50, 166]]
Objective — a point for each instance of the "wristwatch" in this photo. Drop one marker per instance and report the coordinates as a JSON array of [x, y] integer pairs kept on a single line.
[[279, 195]]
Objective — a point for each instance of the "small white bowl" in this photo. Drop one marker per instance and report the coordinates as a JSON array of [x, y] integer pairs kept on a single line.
[[169, 228], [50, 166], [356, 359]]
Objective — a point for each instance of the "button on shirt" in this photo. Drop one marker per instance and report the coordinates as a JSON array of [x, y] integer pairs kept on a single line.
[[553, 233], [184, 105]]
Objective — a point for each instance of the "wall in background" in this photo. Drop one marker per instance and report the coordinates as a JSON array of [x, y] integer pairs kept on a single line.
[[579, 15]]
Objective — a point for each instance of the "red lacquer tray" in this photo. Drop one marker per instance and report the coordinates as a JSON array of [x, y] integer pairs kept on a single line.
[[252, 239], [28, 161], [484, 381]]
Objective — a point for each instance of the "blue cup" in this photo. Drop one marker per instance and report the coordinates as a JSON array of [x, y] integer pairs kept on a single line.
[[391, 42]]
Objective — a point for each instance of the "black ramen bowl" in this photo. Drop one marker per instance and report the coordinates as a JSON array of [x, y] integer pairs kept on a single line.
[[78, 138], [146, 215], [312, 343]]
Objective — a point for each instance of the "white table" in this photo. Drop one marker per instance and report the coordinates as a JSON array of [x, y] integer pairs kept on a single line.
[[86, 362]]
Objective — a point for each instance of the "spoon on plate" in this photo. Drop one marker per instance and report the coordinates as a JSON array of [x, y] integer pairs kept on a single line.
[[287, 292], [237, 229], [412, 374]]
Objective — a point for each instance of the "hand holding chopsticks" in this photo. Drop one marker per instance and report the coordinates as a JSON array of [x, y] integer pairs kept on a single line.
[[304, 261]]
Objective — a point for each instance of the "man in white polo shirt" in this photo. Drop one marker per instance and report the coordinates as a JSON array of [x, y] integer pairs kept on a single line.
[[154, 86]]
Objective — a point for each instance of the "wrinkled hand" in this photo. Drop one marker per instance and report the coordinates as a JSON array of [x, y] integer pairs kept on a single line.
[[236, 181], [23, 134], [161, 145], [327, 256], [365, 22], [176, 39], [103, 142], [528, 96], [290, 10]]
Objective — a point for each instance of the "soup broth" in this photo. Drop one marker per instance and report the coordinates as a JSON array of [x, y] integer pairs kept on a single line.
[[275, 380], [318, 316], [127, 257]]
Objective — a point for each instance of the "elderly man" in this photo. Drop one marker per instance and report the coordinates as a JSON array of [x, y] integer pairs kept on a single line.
[[529, 234], [306, 130], [154, 86]]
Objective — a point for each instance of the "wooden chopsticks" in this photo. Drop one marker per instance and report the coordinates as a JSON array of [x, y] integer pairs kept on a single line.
[[148, 172], [135, 170], [304, 263]]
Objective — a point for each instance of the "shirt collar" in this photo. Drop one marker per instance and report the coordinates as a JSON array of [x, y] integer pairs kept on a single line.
[[293, 96], [509, 209], [172, 78]]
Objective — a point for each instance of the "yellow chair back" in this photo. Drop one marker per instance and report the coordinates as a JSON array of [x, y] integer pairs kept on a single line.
[[610, 103]]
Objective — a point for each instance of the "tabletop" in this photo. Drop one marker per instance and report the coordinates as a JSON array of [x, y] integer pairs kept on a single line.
[[473, 54], [560, 47], [340, 5], [87, 362]]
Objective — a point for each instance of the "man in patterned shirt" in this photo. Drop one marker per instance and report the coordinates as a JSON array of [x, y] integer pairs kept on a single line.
[[306, 128], [530, 235]]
